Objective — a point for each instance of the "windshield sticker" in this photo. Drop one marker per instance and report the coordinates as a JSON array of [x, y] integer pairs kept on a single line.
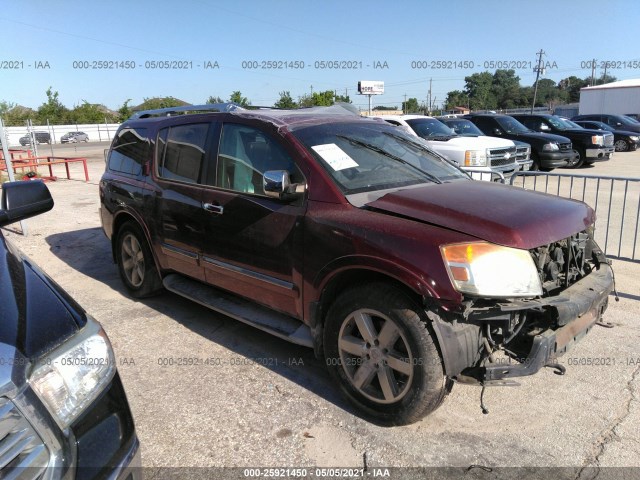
[[335, 156]]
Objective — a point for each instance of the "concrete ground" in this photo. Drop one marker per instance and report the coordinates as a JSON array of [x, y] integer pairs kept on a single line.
[[262, 402]]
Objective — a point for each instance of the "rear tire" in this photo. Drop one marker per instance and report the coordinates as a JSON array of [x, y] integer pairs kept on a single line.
[[379, 347], [135, 262]]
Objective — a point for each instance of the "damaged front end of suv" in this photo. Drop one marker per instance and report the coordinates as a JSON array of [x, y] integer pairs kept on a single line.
[[563, 291]]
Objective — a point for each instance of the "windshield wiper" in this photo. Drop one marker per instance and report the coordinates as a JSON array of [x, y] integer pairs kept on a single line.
[[424, 148], [379, 150]]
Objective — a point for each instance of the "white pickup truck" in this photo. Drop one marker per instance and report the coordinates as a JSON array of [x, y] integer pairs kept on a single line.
[[479, 155]]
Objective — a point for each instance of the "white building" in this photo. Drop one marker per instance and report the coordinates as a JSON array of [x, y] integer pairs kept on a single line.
[[616, 98]]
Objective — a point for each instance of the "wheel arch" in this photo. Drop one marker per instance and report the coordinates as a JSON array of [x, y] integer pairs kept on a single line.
[[120, 219], [331, 285]]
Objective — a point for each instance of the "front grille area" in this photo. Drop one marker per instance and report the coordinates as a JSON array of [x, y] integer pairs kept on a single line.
[[562, 263], [608, 140], [22, 452], [564, 147], [522, 153], [502, 156]]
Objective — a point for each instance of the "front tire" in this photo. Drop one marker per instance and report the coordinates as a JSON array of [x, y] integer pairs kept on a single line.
[[580, 161], [621, 146], [135, 262], [379, 347]]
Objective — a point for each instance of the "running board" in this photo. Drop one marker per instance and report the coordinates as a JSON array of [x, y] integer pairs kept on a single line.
[[278, 324]]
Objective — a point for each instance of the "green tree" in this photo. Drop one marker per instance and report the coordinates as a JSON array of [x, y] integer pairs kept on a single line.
[[505, 87], [213, 99], [572, 86], [90, 113], [285, 101], [52, 110], [411, 106], [343, 99], [236, 97], [124, 112], [318, 99], [456, 98], [382, 107], [479, 87], [160, 102]]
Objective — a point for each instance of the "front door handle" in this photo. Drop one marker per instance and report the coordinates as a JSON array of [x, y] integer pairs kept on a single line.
[[217, 209]]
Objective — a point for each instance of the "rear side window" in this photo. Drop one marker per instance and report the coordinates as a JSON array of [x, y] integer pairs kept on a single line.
[[181, 152], [130, 151]]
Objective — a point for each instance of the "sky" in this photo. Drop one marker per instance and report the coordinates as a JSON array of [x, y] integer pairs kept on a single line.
[[224, 46]]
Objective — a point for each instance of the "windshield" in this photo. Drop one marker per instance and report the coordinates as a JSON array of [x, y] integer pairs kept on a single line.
[[625, 120], [465, 128], [511, 125], [562, 124], [573, 124], [364, 157], [430, 128]]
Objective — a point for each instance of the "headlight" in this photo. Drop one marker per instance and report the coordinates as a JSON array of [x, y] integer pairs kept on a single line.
[[550, 147], [475, 158], [597, 140], [489, 270], [74, 374], [633, 138]]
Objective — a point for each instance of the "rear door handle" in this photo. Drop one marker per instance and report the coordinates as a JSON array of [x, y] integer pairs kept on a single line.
[[217, 209]]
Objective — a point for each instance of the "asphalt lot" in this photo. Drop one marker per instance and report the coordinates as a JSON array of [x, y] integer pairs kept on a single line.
[[262, 402]]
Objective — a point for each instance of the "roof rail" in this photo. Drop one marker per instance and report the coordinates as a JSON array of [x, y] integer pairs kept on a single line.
[[169, 111]]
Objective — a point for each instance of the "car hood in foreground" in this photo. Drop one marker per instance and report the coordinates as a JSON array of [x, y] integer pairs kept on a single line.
[[500, 214], [36, 314]]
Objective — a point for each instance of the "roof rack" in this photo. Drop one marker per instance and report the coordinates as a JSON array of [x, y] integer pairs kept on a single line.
[[169, 111]]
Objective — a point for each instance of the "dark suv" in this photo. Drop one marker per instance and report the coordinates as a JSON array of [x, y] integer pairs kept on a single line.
[[547, 151], [619, 122], [348, 235], [591, 145], [40, 137], [63, 410]]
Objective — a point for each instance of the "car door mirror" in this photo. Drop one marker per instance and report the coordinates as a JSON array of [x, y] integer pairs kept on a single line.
[[544, 127], [277, 184], [21, 200]]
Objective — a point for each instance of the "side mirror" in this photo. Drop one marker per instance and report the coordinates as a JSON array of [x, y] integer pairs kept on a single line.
[[277, 184], [22, 200], [544, 126]]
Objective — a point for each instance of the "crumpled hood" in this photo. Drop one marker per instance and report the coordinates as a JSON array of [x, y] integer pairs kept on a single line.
[[500, 214]]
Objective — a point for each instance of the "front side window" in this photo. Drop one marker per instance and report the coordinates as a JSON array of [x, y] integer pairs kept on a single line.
[[181, 152], [244, 154], [130, 151]]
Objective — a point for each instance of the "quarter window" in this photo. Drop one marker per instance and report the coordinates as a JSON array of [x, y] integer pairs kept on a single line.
[[130, 151]]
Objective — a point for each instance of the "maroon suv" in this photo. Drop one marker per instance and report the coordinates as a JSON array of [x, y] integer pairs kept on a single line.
[[349, 236]]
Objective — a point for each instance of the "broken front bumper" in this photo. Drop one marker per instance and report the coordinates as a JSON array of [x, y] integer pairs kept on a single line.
[[576, 309]]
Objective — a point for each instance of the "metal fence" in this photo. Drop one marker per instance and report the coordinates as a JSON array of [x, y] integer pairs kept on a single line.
[[616, 201]]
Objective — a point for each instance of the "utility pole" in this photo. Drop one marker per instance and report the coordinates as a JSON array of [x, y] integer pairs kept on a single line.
[[604, 77], [539, 68], [404, 105], [430, 80], [593, 71]]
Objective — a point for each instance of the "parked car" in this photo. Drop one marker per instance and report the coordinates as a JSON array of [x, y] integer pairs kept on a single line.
[[466, 128], [591, 145], [41, 137], [348, 235], [633, 116], [74, 137], [620, 122], [547, 151], [63, 409], [624, 141], [485, 154]]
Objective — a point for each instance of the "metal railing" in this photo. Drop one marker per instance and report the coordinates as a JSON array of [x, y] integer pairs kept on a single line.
[[616, 199]]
